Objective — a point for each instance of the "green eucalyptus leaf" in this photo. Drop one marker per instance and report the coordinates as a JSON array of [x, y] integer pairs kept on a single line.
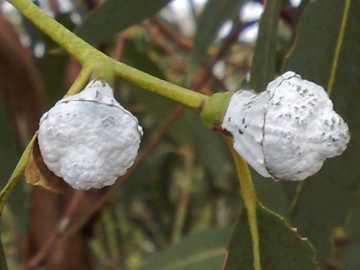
[[136, 55], [53, 71], [113, 16], [281, 248], [264, 59], [215, 13], [271, 194], [348, 244], [204, 250]]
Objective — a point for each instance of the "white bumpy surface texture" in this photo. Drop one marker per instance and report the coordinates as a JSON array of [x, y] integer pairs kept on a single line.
[[287, 131], [89, 139]]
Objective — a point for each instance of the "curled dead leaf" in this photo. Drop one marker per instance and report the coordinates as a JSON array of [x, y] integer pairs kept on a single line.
[[37, 174]]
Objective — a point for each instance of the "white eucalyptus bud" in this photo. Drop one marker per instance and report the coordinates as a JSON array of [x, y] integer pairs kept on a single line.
[[287, 131], [89, 139]]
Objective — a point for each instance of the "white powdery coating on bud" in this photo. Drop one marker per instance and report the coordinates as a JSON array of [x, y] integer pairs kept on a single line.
[[89, 139], [246, 123], [287, 131]]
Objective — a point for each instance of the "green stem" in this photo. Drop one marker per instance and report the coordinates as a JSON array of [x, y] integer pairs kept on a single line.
[[102, 65], [80, 81], [78, 48], [18, 171], [177, 93], [248, 195]]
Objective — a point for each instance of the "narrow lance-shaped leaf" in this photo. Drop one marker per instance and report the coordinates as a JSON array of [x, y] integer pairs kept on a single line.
[[212, 18], [280, 247], [202, 251], [264, 59], [116, 15]]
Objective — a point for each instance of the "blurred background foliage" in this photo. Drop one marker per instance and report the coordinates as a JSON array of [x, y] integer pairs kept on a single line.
[[177, 207]]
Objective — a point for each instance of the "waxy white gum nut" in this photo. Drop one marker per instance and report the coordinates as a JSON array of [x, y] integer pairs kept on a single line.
[[89, 139], [287, 131]]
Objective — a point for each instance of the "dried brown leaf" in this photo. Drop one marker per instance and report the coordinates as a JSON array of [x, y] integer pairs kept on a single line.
[[37, 173]]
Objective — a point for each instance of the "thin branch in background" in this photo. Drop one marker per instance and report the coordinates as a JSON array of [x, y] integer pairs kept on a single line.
[[287, 14], [204, 86], [192, 5], [57, 230], [73, 69], [119, 47], [225, 45], [158, 37], [54, 6], [179, 40], [91, 4]]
